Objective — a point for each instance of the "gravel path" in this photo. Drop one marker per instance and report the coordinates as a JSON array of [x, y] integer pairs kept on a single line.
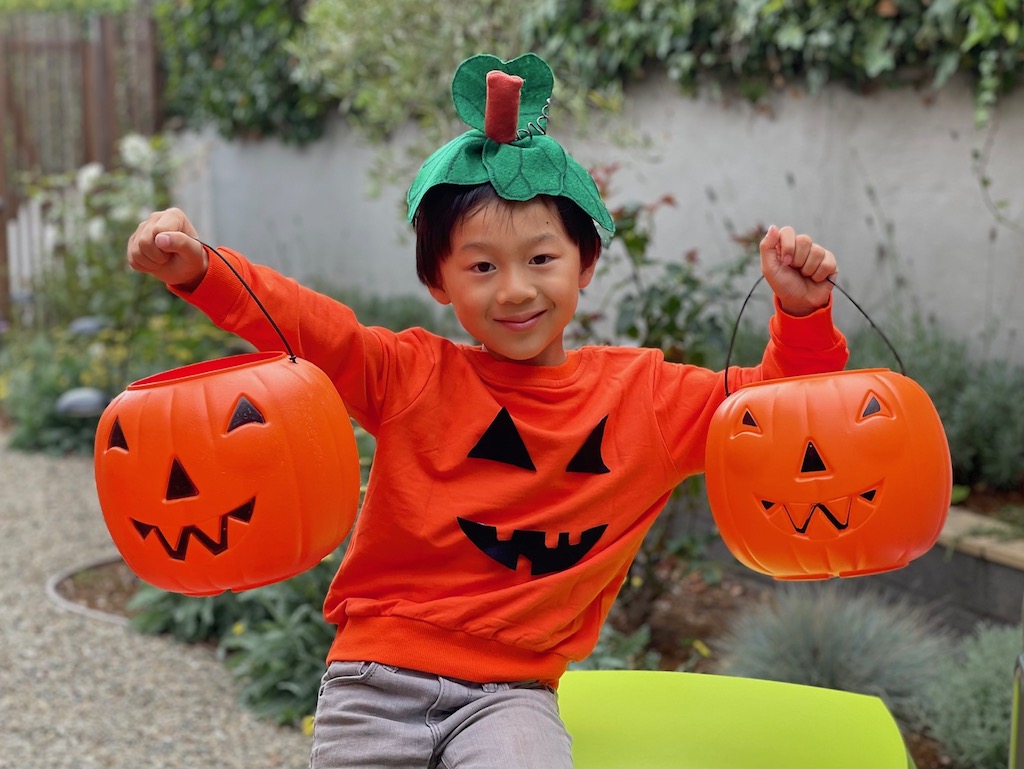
[[83, 693]]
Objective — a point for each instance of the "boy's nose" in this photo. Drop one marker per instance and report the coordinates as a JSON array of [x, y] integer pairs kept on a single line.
[[515, 289]]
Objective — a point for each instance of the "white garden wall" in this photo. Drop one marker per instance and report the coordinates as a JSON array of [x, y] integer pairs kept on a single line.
[[892, 171]]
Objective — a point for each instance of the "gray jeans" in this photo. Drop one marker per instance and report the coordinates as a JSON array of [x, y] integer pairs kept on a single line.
[[372, 715]]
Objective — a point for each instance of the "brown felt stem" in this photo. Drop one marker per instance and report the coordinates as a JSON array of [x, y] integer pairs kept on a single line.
[[501, 116]]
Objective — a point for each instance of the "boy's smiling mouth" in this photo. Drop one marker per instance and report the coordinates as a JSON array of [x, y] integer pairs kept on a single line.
[[521, 322]]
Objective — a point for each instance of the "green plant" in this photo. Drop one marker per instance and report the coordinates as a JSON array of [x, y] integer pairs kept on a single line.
[[985, 427], [393, 312], [280, 655], [358, 52], [969, 702], [616, 650], [76, 6], [978, 401], [226, 66], [191, 620], [839, 637], [89, 216], [37, 367]]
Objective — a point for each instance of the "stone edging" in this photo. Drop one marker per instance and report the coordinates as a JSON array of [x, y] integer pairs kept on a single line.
[[979, 536], [54, 595]]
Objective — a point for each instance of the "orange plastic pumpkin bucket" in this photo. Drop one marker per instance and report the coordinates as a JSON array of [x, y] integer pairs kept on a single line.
[[227, 474], [829, 475]]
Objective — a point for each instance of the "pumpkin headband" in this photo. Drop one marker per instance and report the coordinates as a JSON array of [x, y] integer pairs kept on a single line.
[[506, 105]]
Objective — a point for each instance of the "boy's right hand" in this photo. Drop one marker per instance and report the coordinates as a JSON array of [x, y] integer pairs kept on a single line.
[[165, 246]]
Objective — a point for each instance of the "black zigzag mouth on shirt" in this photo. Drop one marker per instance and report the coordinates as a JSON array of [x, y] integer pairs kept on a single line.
[[531, 545], [214, 544]]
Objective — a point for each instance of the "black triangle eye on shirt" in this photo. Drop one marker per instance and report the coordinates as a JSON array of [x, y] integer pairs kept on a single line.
[[501, 442]]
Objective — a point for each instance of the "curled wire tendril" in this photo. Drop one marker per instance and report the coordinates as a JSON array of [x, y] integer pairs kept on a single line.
[[538, 127]]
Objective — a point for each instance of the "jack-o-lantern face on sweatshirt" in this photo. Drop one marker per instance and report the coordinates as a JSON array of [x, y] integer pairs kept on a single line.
[[503, 443]]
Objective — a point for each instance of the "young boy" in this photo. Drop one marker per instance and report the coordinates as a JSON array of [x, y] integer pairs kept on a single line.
[[514, 480]]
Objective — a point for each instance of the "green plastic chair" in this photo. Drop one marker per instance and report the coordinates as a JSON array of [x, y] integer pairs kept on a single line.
[[644, 718]]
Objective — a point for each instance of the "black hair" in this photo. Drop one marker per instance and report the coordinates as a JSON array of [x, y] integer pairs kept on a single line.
[[443, 207]]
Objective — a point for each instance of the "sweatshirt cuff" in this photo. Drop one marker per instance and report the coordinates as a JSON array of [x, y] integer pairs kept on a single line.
[[816, 330], [219, 289]]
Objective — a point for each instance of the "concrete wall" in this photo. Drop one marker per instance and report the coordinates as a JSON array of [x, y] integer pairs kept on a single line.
[[892, 173]]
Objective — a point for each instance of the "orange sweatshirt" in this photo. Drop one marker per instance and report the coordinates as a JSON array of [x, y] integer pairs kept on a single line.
[[506, 501]]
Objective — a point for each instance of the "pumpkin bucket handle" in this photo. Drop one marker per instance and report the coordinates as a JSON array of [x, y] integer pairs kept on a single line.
[[736, 327], [284, 341]]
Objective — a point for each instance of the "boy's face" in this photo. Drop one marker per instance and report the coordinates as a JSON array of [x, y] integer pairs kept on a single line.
[[513, 278]]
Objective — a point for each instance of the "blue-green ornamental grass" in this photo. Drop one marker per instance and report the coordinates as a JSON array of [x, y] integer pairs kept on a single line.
[[840, 636], [969, 702]]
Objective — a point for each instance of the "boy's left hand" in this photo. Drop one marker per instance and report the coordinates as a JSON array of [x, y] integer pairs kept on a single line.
[[797, 269]]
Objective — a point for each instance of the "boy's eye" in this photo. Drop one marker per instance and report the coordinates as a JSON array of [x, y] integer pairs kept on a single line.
[[482, 267], [541, 259]]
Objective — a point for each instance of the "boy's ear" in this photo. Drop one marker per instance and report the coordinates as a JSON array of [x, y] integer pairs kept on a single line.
[[439, 294], [587, 274]]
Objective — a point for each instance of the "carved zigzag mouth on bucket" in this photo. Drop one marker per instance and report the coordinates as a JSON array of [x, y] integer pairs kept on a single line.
[[835, 514], [214, 544]]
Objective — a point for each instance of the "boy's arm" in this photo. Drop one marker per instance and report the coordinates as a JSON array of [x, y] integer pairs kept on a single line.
[[686, 397], [361, 361]]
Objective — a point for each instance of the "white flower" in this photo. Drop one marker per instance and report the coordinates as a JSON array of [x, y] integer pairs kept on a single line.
[[96, 229], [137, 152], [87, 176]]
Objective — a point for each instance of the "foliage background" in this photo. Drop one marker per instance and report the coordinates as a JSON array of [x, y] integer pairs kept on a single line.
[[383, 64]]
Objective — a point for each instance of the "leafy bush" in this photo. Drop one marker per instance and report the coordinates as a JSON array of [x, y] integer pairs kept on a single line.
[[88, 217], [389, 63], [824, 634], [985, 428], [56, 6], [362, 52], [37, 367], [978, 401], [281, 656], [970, 701], [394, 312], [616, 650], [226, 66]]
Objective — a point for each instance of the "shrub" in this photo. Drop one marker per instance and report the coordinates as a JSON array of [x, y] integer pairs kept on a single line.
[[387, 62], [88, 217], [226, 66], [978, 401], [36, 367], [985, 427], [970, 701], [616, 650], [839, 637], [280, 656]]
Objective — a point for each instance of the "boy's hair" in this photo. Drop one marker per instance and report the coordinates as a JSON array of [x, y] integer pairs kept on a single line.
[[446, 205]]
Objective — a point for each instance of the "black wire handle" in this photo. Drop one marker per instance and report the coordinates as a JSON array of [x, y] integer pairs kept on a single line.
[[735, 329], [291, 355]]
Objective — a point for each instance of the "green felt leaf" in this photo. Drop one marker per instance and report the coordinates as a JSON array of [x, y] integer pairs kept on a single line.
[[457, 162], [469, 86], [535, 165], [540, 166]]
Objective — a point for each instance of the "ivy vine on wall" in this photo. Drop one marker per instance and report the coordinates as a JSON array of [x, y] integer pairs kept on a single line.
[[226, 65], [277, 68]]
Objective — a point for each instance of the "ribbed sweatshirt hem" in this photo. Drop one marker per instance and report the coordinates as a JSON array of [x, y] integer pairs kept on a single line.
[[417, 645]]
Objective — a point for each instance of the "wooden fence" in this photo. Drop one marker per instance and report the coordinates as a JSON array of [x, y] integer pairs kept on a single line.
[[70, 87]]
